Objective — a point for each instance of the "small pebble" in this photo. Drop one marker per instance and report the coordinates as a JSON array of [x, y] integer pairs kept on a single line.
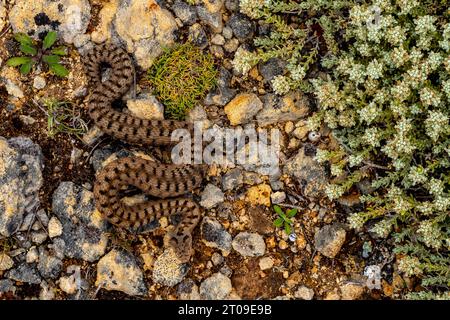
[[218, 40], [283, 245], [39, 83], [266, 263]]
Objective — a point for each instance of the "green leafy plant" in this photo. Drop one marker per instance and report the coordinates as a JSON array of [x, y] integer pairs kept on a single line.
[[387, 98], [63, 117], [181, 77], [297, 31], [35, 54], [384, 91], [284, 219]]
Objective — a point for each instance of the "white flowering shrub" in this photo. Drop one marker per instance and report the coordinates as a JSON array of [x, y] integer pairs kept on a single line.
[[386, 97], [387, 102], [299, 46]]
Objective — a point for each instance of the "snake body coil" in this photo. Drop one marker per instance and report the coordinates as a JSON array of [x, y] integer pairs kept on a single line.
[[166, 181]]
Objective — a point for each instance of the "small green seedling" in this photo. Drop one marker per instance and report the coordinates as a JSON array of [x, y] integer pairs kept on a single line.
[[34, 54], [63, 117], [284, 219]]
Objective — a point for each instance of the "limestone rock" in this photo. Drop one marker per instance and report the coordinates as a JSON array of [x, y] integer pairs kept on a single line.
[[243, 108], [21, 164], [119, 271], [69, 17]]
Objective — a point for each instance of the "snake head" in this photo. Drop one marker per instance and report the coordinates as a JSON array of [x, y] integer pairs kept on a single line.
[[181, 244]]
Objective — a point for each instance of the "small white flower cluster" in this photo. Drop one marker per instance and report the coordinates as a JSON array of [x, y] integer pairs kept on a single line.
[[321, 155], [446, 88], [334, 191], [441, 203], [371, 137], [410, 266], [436, 187], [356, 221], [436, 124], [252, 8], [396, 35], [382, 228], [368, 113], [375, 69], [407, 5], [399, 57], [431, 234], [336, 170], [244, 60], [281, 85], [429, 97], [417, 175], [355, 160], [297, 71]]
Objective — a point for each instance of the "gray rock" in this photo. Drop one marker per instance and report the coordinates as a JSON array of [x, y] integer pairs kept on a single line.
[[330, 239], [232, 5], [119, 271], [249, 244], [226, 271], [48, 266], [21, 164], [38, 237], [217, 259], [233, 179], [272, 68], [222, 94], [310, 174], [211, 196], [168, 269], [242, 27], [227, 32], [58, 246], [83, 226], [69, 17], [24, 273], [184, 12], [211, 16], [290, 107], [6, 285], [216, 287], [198, 36], [188, 290], [214, 235]]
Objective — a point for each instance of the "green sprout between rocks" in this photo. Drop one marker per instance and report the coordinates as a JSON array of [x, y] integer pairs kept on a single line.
[[284, 219], [35, 54], [181, 77], [63, 117]]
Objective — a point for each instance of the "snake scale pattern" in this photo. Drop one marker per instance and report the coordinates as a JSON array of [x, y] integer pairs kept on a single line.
[[168, 182]]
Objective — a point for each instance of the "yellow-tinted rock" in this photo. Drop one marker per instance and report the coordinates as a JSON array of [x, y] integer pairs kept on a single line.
[[259, 195], [243, 108]]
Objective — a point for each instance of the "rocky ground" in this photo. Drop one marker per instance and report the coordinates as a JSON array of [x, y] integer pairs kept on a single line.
[[54, 244]]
